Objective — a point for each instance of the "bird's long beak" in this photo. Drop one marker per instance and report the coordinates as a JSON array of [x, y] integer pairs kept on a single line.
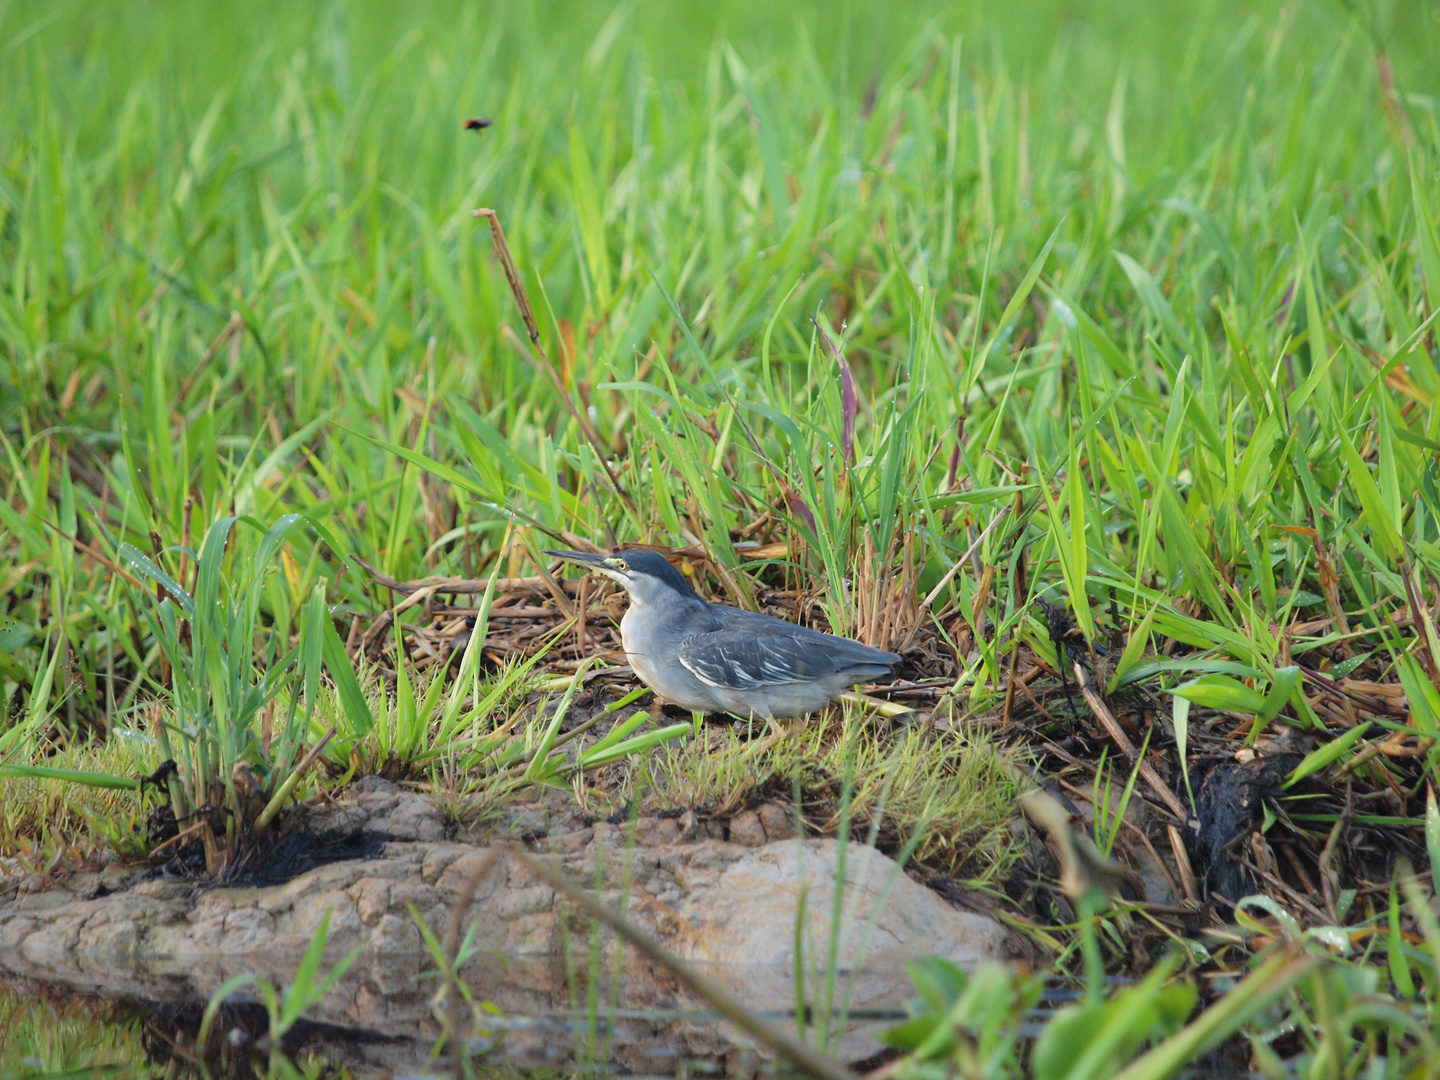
[[585, 558], [603, 564]]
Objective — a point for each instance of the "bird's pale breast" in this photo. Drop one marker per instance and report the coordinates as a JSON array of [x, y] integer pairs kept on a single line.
[[640, 650]]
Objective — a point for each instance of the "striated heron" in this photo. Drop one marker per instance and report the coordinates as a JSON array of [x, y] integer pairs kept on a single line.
[[716, 658]]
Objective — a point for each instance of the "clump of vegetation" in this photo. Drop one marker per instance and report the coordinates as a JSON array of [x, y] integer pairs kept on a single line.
[[946, 800], [1314, 1003]]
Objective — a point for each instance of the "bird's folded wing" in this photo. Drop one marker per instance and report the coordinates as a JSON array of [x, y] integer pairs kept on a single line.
[[744, 659]]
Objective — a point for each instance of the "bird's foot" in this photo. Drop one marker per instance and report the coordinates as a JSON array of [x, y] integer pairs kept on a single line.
[[777, 733]]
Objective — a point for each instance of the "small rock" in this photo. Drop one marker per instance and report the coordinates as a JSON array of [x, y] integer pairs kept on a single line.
[[652, 831], [529, 825], [377, 801], [408, 817], [163, 888], [745, 917], [571, 842], [608, 834], [746, 829], [372, 898], [116, 875], [439, 859], [372, 783], [338, 820], [690, 828], [395, 934], [779, 822], [1154, 877]]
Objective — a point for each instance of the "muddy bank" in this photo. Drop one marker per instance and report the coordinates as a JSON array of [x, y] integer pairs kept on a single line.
[[729, 908]]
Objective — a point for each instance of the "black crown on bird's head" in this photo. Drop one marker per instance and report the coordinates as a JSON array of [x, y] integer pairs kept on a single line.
[[632, 567], [653, 564]]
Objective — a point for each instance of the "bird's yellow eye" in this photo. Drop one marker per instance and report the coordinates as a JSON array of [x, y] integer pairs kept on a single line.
[[620, 565]]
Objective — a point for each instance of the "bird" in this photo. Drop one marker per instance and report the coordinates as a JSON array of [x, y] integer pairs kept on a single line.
[[716, 658]]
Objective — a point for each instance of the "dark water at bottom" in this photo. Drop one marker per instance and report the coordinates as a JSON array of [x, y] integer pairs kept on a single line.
[[57, 1033], [52, 1031]]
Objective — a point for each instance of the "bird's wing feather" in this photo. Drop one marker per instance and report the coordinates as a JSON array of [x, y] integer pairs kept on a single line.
[[763, 656]]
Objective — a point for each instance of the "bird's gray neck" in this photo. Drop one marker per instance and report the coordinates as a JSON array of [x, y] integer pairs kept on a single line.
[[652, 594]]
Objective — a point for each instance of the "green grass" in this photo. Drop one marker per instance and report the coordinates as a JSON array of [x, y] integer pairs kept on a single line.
[[49, 1034], [948, 801], [1169, 306], [1138, 305]]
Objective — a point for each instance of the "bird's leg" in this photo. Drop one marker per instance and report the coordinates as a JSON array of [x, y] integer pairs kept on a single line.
[[777, 732]]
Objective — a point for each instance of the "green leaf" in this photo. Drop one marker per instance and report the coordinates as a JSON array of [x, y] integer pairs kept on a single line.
[[1064, 1038], [430, 465], [296, 997], [1432, 836], [638, 745], [14, 636], [1221, 692], [912, 1034], [1134, 649], [217, 999], [1181, 719], [1429, 241], [1383, 528], [1322, 756], [313, 618], [1070, 543], [144, 566], [621, 731], [1264, 985], [73, 776], [352, 700], [591, 219], [1012, 308], [1395, 948], [1420, 692], [1282, 689], [540, 764], [1150, 669], [938, 981], [1151, 296]]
